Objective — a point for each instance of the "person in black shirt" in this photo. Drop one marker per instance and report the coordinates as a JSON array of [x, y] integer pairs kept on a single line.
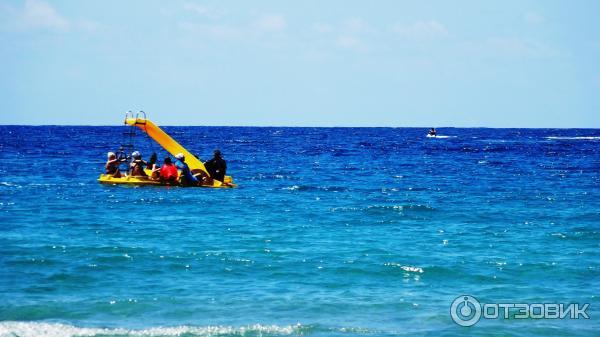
[[216, 167]]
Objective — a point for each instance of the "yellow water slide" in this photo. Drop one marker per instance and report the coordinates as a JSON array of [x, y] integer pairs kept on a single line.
[[168, 143], [174, 148]]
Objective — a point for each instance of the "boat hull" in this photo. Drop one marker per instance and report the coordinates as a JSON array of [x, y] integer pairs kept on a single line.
[[143, 181]]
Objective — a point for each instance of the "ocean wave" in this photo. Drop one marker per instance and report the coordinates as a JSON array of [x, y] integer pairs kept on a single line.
[[405, 268], [387, 209], [574, 138], [316, 188], [400, 208], [41, 329], [9, 184]]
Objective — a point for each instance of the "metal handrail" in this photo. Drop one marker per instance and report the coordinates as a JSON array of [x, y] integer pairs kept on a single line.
[[128, 114], [137, 117]]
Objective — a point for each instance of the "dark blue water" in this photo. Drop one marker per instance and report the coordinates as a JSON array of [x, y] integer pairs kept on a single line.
[[332, 232]]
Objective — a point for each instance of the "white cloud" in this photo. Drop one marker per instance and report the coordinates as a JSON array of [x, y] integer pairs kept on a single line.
[[356, 25], [533, 18], [88, 25], [352, 43], [271, 23], [421, 29], [518, 47], [351, 26], [259, 29], [322, 28], [39, 14], [203, 10], [349, 34], [196, 8], [215, 31]]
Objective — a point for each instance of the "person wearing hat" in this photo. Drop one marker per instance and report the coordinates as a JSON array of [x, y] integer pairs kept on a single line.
[[217, 166], [122, 158], [137, 165], [112, 165], [185, 173]]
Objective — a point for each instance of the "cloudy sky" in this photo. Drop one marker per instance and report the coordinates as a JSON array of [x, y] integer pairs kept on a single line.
[[303, 63]]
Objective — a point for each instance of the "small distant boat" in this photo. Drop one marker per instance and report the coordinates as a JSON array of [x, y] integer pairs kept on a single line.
[[170, 145], [439, 136]]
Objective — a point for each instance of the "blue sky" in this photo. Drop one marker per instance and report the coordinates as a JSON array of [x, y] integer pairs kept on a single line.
[[302, 63]]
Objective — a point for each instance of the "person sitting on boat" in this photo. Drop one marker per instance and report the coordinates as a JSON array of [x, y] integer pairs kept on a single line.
[[152, 166], [168, 172], [121, 155], [186, 175], [112, 165], [217, 166], [432, 132], [137, 165]]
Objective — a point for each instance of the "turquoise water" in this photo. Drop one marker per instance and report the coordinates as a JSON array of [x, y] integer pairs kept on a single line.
[[332, 232]]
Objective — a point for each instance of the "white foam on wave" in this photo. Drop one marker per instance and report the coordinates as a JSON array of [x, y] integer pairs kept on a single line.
[[442, 137], [40, 329], [9, 184], [574, 138], [405, 268]]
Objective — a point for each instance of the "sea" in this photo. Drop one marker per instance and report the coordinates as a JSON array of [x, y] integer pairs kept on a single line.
[[330, 232]]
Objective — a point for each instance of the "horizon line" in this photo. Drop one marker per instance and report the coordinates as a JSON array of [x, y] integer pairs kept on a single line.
[[321, 126]]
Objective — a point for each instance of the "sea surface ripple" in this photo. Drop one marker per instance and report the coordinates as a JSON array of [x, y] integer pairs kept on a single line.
[[332, 232]]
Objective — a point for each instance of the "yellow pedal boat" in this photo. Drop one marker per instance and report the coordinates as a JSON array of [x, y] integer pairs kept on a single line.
[[171, 146]]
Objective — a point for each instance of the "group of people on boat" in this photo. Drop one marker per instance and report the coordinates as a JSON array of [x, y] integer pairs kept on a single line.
[[171, 173]]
